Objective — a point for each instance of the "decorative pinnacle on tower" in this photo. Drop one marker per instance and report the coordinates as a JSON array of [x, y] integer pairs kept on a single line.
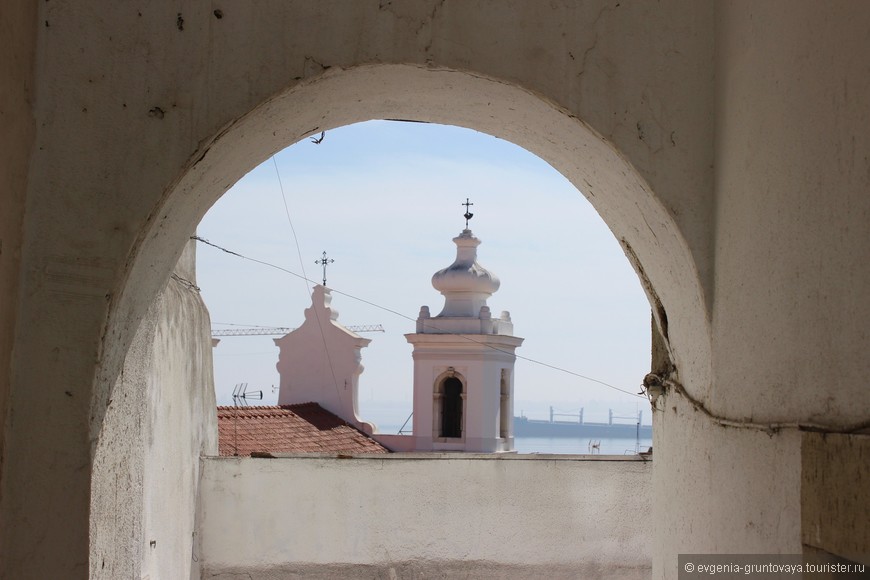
[[468, 215]]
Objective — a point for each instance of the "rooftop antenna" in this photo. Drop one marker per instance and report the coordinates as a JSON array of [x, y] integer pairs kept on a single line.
[[468, 215], [324, 261], [236, 391], [241, 395]]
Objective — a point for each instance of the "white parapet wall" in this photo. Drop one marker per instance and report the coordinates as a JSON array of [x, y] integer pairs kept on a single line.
[[426, 515]]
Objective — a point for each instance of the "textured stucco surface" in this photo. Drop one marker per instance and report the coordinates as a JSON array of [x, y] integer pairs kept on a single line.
[[426, 517], [790, 308], [146, 114], [161, 419], [17, 19], [737, 491], [835, 505], [427, 569], [724, 143], [793, 172]]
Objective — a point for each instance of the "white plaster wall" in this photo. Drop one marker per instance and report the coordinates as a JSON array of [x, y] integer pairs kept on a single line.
[[396, 442], [116, 543], [183, 426], [721, 490], [161, 419], [790, 311], [426, 515], [792, 208], [146, 114]]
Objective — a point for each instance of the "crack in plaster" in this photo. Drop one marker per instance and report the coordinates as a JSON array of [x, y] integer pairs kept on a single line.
[[312, 67], [658, 308], [419, 24], [431, 22], [594, 44], [770, 428]]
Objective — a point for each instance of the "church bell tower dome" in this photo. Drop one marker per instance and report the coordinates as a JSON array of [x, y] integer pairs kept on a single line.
[[464, 361], [465, 284]]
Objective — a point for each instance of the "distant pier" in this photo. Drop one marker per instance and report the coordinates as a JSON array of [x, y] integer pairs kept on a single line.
[[577, 427]]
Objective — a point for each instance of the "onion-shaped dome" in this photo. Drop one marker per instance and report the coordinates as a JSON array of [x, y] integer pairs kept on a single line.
[[465, 284]]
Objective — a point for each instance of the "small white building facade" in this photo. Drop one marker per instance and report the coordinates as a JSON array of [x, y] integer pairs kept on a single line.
[[464, 362]]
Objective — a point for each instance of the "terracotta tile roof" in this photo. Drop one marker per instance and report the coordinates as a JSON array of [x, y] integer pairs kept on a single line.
[[304, 428]]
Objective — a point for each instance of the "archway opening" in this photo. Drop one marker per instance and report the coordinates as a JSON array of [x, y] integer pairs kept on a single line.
[[389, 198], [643, 226]]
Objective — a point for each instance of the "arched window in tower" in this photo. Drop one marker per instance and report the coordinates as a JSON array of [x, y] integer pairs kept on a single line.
[[451, 407]]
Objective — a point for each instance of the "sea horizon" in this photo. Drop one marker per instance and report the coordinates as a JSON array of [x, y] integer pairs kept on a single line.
[[389, 417]]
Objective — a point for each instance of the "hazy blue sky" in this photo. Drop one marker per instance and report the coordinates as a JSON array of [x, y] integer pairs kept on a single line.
[[384, 200]]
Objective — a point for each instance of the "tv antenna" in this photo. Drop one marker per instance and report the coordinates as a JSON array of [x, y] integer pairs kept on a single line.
[[241, 395]]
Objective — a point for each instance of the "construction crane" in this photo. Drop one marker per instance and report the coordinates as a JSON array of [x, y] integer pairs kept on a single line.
[[282, 330]]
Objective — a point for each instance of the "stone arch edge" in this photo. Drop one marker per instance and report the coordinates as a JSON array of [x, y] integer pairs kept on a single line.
[[341, 96]]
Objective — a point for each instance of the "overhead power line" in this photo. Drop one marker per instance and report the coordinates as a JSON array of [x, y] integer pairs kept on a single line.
[[302, 266], [428, 322]]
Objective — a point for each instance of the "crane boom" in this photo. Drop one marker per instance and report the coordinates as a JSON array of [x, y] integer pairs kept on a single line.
[[282, 330]]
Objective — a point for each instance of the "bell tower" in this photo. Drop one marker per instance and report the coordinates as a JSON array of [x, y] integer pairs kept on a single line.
[[464, 361]]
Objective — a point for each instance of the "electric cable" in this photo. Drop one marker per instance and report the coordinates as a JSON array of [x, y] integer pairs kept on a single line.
[[428, 324], [305, 276]]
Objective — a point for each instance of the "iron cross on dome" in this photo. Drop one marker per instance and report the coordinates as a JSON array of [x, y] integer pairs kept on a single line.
[[324, 261], [468, 215]]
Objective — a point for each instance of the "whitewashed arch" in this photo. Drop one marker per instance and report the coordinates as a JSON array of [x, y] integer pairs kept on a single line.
[[647, 232]]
